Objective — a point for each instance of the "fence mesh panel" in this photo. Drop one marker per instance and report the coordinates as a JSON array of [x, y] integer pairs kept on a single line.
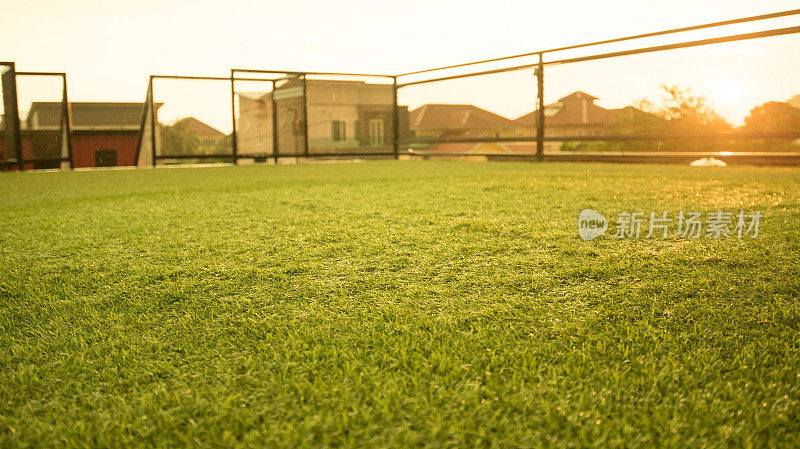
[[43, 120], [350, 115], [465, 110], [193, 120], [290, 109], [693, 99], [253, 115], [683, 99], [597, 97]]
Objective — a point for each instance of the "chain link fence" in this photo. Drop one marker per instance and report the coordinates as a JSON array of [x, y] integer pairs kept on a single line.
[[670, 95], [673, 95]]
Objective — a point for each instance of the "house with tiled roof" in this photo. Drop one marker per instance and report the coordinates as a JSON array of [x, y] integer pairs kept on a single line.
[[571, 116], [198, 128], [443, 121], [189, 136], [85, 115], [103, 133], [578, 115]]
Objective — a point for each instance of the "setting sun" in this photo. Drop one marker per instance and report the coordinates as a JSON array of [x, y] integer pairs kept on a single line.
[[730, 99]]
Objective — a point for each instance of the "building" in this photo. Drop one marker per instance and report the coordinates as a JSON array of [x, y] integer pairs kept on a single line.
[[41, 137], [190, 137], [576, 115], [454, 121], [343, 116], [104, 134]]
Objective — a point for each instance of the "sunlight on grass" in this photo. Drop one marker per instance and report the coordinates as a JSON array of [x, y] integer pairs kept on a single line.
[[393, 304]]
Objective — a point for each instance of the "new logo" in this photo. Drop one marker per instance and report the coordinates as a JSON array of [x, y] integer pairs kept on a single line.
[[591, 224]]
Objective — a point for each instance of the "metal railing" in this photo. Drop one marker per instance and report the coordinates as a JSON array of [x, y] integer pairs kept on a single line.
[[539, 73], [43, 138], [311, 114]]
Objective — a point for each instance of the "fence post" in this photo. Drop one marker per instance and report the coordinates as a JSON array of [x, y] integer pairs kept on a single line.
[[142, 125], [12, 111], [153, 121], [67, 131], [540, 118], [274, 125], [305, 113], [234, 138], [396, 121]]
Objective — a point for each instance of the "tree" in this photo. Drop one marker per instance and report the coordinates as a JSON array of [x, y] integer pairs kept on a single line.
[[684, 112], [682, 107], [773, 117]]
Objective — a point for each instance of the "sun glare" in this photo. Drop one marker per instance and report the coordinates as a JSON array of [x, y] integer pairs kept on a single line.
[[728, 97]]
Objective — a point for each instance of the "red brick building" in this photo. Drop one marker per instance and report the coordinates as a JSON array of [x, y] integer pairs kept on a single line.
[[103, 134]]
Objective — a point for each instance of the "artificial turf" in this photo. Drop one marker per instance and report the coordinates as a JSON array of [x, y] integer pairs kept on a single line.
[[395, 304]]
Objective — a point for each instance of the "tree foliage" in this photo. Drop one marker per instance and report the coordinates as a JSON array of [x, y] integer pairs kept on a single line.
[[773, 116], [684, 112]]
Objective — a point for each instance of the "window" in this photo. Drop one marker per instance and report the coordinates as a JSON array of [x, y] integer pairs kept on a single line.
[[376, 134], [105, 158], [338, 131]]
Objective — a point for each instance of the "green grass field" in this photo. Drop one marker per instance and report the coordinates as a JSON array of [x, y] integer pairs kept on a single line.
[[395, 304]]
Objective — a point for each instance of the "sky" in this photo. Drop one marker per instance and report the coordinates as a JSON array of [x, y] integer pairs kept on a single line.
[[109, 49]]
